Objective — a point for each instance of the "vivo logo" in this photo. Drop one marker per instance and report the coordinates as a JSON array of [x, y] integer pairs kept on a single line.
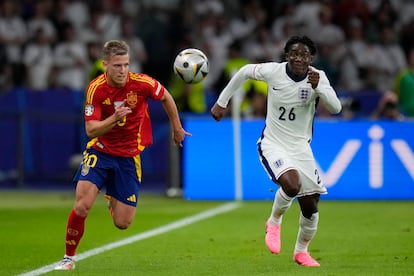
[[375, 158]]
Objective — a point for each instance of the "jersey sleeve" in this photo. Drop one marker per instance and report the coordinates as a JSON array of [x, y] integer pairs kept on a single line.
[[92, 101], [328, 95], [155, 89], [234, 85], [158, 90]]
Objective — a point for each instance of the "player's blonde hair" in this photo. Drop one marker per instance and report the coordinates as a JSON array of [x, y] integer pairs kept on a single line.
[[114, 48]]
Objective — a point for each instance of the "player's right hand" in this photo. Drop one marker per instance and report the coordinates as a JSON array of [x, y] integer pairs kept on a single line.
[[121, 111], [179, 135], [218, 112]]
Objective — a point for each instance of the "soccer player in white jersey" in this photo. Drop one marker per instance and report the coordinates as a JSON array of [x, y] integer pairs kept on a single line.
[[294, 89]]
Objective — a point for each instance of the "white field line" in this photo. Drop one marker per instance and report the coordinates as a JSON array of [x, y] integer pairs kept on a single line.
[[148, 234]]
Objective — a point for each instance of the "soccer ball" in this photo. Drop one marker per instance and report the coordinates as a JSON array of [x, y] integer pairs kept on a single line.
[[191, 65]]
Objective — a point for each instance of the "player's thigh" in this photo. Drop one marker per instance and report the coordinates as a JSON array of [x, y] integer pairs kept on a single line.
[[86, 193], [122, 214], [310, 179], [276, 163], [124, 185]]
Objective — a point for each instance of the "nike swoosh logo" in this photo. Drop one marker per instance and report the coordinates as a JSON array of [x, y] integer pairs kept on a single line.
[[275, 89]]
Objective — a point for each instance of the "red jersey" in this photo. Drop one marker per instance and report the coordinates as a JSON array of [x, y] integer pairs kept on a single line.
[[133, 133]]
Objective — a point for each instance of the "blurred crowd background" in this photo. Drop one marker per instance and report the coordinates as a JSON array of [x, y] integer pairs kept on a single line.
[[50, 49], [364, 46]]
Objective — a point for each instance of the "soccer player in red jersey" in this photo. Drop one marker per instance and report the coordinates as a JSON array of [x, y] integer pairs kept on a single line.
[[118, 124]]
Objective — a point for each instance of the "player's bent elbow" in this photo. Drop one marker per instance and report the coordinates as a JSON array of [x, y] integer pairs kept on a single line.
[[91, 135], [334, 109], [337, 110]]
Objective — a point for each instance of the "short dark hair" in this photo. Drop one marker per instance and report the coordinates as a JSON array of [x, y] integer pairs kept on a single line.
[[301, 39]]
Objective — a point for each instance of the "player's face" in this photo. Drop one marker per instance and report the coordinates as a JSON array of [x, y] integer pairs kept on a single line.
[[299, 58], [117, 70]]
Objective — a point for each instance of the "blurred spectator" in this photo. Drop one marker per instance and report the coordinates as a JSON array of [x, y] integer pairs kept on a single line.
[[326, 31], [40, 19], [250, 15], [282, 20], [234, 62], [38, 59], [288, 31], [331, 40], [215, 33], [358, 67], [203, 7], [154, 30], [260, 47], [257, 97], [70, 60], [91, 31], [13, 34], [138, 53], [351, 108], [346, 9], [368, 58], [95, 64], [306, 17], [5, 71], [324, 61], [404, 86], [382, 15], [406, 36], [387, 108], [109, 20], [405, 13], [131, 8], [252, 89], [390, 58], [76, 12]]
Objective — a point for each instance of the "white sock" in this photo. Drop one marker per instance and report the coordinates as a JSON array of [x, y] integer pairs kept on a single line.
[[307, 230], [281, 204]]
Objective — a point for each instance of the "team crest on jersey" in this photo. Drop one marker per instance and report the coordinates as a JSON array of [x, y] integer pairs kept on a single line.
[[132, 99], [279, 163], [89, 110], [304, 94], [85, 169]]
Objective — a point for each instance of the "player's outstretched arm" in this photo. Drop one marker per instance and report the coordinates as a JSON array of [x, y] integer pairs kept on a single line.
[[178, 133], [235, 83]]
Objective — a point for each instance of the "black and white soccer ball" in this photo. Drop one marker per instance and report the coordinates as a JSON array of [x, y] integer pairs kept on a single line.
[[191, 65]]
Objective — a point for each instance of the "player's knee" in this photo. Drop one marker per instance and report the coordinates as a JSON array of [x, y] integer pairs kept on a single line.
[[308, 213], [122, 224], [290, 182], [309, 205], [81, 209], [291, 190]]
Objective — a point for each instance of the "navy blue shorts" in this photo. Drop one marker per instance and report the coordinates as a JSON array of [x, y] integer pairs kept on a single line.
[[120, 176]]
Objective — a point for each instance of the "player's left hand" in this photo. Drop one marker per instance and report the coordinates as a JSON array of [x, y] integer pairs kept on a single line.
[[313, 77]]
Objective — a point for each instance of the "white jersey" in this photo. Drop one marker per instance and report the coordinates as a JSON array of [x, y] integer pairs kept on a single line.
[[290, 106]]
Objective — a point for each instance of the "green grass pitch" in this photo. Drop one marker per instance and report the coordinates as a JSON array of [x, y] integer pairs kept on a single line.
[[354, 238]]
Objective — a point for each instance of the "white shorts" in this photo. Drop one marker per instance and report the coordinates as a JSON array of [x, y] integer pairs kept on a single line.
[[276, 162]]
